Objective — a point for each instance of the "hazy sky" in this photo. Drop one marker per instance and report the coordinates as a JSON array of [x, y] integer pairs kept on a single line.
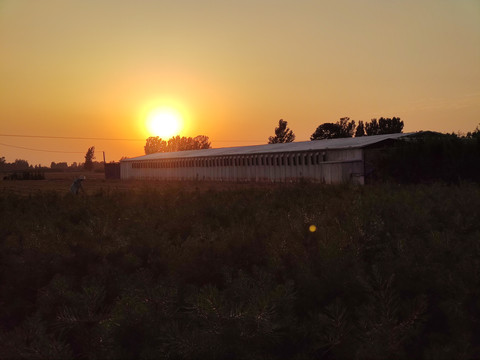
[[92, 68]]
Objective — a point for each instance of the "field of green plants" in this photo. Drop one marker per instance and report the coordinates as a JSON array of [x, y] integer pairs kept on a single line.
[[175, 272]]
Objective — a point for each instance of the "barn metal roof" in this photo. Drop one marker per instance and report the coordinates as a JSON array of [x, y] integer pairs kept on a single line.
[[329, 144]]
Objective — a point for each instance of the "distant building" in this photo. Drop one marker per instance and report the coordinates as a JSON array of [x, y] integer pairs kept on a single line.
[[327, 161]]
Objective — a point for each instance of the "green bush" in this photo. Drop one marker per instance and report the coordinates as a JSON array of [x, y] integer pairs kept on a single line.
[[390, 272]]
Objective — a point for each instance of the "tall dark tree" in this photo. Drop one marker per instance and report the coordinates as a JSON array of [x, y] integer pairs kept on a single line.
[[384, 126], [372, 127], [282, 134], [341, 129], [89, 156], [360, 130]]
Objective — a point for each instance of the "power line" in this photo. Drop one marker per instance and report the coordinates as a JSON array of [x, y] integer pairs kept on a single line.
[[69, 137], [112, 139], [53, 151]]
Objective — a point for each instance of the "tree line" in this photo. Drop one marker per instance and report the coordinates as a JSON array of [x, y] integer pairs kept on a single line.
[[22, 165], [156, 144], [343, 128]]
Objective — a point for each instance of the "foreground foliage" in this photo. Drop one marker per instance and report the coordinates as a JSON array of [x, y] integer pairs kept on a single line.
[[390, 272]]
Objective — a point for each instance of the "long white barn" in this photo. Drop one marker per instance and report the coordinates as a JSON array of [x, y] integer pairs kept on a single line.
[[328, 161]]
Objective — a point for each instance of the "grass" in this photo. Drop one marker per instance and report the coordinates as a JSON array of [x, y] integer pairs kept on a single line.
[[202, 270]]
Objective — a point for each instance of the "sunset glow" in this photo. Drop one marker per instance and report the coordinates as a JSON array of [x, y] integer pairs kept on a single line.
[[164, 122], [227, 70]]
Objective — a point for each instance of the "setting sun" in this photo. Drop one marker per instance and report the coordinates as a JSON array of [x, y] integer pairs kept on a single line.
[[164, 122]]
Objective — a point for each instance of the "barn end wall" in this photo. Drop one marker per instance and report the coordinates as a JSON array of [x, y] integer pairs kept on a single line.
[[329, 166]]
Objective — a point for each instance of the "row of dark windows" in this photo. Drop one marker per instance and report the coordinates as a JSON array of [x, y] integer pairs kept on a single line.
[[279, 160]]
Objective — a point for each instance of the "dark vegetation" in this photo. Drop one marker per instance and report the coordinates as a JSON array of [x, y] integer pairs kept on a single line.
[[430, 157], [23, 165], [89, 156], [156, 144], [283, 134], [345, 128], [162, 272], [26, 175]]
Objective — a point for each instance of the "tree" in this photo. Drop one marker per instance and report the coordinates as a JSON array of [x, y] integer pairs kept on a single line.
[[475, 134], [360, 130], [282, 134], [155, 144], [20, 164], [202, 142], [384, 126], [341, 129], [176, 143], [89, 156]]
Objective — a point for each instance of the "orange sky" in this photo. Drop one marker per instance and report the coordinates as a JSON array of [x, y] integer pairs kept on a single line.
[[90, 69]]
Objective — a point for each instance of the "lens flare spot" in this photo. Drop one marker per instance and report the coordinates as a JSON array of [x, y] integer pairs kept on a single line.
[[312, 228]]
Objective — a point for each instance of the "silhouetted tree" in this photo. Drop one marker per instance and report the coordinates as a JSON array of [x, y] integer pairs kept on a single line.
[[384, 126], [155, 144], [202, 142], [89, 156], [59, 166], [360, 130], [372, 127], [474, 134], [282, 134], [176, 143], [341, 129], [20, 164]]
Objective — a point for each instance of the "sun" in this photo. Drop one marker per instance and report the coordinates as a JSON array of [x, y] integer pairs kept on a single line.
[[164, 122]]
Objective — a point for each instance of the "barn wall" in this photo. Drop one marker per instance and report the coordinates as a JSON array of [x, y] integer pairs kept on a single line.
[[332, 166]]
